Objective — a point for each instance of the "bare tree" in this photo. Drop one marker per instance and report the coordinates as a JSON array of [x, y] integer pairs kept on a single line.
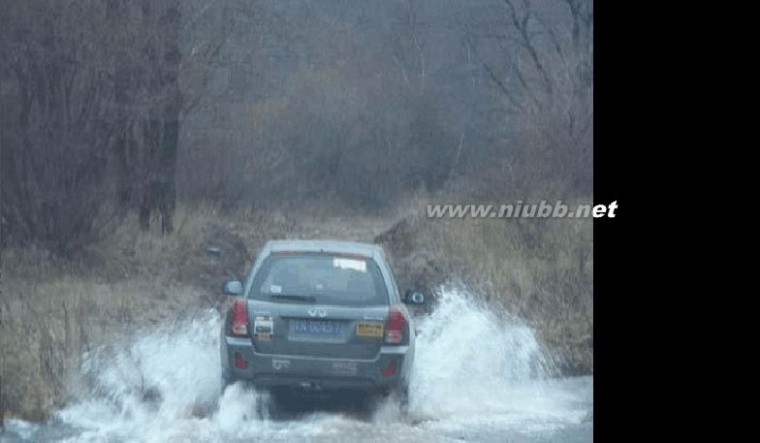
[[56, 123], [91, 105], [148, 100], [538, 55]]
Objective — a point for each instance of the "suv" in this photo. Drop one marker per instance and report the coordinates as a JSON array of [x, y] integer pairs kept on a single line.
[[319, 316]]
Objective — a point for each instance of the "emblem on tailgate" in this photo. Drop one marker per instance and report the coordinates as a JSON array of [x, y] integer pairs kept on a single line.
[[315, 312], [345, 367], [278, 364]]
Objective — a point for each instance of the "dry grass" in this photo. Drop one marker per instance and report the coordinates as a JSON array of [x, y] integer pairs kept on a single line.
[[54, 311], [541, 271], [48, 325], [538, 269]]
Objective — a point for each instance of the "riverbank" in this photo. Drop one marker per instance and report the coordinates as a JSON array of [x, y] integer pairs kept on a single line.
[[55, 312]]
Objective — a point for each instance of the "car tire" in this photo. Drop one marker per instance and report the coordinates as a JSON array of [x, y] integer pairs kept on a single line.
[[224, 382], [398, 395], [266, 404], [403, 400]]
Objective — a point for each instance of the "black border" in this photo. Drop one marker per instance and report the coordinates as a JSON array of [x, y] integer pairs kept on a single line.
[[623, 327]]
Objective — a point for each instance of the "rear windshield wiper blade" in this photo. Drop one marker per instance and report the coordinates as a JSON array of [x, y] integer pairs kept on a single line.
[[308, 298]]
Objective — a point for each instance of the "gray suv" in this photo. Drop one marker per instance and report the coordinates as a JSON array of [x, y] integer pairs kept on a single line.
[[319, 316]]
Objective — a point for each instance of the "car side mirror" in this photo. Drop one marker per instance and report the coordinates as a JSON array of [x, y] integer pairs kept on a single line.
[[233, 287], [414, 297]]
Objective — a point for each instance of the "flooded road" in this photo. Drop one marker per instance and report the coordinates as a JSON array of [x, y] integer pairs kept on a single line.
[[477, 377]]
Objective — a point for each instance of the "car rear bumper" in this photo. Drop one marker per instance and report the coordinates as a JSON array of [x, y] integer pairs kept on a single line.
[[390, 368]]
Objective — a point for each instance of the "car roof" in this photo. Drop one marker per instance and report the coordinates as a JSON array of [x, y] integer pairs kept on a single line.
[[339, 246]]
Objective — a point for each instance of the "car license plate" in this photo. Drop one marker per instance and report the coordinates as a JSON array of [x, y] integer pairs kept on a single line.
[[369, 329], [317, 328]]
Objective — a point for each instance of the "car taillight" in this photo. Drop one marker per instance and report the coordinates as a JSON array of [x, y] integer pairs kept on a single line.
[[240, 361], [389, 370], [239, 317], [395, 327]]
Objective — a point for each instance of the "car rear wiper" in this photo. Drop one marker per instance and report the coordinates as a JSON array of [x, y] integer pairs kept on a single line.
[[307, 298]]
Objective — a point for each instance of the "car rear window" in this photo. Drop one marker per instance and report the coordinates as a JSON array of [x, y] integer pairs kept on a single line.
[[320, 278]]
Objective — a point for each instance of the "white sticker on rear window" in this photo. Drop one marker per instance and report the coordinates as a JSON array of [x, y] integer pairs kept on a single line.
[[350, 263], [275, 289]]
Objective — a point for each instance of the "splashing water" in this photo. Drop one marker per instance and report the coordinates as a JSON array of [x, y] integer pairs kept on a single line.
[[476, 376], [469, 362]]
